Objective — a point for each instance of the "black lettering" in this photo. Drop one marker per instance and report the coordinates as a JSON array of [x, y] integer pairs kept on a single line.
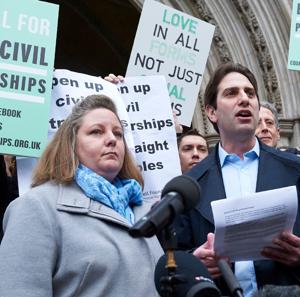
[[148, 62], [3, 53], [123, 90], [42, 57], [3, 80], [14, 82], [55, 124], [42, 87], [25, 50], [124, 123], [159, 165], [176, 108]]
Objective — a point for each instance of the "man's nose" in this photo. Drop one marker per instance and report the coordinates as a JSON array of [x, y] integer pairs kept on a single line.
[[263, 126], [243, 98], [195, 151]]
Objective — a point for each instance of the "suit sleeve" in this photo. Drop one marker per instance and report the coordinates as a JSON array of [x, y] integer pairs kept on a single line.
[[28, 250]]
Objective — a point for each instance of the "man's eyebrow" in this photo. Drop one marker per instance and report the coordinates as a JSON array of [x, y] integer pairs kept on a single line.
[[250, 88], [230, 89]]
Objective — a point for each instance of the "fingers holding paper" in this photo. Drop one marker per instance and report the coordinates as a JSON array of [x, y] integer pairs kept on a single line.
[[286, 250], [206, 254], [114, 78]]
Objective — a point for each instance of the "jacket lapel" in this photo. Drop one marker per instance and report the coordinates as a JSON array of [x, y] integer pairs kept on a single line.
[[72, 199], [211, 183]]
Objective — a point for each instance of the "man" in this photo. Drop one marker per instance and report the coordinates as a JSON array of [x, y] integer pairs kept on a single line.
[[237, 166], [192, 148], [268, 130]]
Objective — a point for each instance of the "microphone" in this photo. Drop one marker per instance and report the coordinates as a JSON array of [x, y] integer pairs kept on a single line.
[[230, 279], [179, 194], [195, 279]]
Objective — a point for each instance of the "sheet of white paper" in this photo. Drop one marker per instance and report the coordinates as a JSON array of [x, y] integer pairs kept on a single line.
[[244, 226]]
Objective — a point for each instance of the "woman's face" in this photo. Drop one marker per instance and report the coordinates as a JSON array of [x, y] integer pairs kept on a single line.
[[100, 144]]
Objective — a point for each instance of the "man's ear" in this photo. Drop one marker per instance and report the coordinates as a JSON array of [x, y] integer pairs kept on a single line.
[[211, 113], [278, 134]]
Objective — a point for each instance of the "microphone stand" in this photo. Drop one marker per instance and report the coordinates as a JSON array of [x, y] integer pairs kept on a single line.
[[168, 283], [230, 279]]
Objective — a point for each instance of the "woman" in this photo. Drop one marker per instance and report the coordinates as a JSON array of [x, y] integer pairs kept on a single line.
[[68, 235]]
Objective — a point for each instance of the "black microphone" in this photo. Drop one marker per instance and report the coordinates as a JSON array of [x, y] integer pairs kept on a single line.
[[230, 279], [179, 194], [195, 279]]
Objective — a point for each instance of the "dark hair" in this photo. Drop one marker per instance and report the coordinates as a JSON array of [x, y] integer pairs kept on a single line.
[[211, 91], [193, 132]]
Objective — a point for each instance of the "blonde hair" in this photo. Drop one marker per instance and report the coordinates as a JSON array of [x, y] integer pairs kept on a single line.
[[59, 161]]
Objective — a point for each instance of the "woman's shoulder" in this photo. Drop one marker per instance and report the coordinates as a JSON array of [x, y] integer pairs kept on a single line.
[[43, 191], [40, 201], [49, 189], [46, 194]]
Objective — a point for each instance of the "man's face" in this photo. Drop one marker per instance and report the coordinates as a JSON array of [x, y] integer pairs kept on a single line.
[[266, 130], [192, 149], [237, 108]]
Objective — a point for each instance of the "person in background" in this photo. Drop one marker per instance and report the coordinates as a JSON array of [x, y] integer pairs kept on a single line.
[[268, 129], [68, 235], [192, 148], [8, 183], [238, 166], [4, 188]]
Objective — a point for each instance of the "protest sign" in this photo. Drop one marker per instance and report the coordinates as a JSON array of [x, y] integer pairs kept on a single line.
[[294, 47], [154, 135], [27, 47], [176, 45], [69, 88], [144, 109]]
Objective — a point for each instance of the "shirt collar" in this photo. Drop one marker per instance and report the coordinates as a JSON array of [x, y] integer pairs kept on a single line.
[[252, 154]]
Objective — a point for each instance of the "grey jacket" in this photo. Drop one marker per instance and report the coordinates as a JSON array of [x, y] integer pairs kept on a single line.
[[57, 242]]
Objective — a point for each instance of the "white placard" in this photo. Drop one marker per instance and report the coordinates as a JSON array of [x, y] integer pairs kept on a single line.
[[176, 45], [152, 127], [69, 88], [144, 109]]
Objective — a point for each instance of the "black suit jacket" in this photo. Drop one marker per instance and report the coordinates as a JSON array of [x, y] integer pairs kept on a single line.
[[276, 169]]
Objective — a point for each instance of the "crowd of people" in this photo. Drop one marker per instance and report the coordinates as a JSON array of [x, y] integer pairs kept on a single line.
[[68, 235]]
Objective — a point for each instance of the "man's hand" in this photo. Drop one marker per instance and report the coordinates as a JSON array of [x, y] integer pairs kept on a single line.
[[206, 254], [287, 250], [114, 78]]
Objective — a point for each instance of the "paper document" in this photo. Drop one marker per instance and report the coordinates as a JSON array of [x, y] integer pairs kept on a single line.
[[244, 226]]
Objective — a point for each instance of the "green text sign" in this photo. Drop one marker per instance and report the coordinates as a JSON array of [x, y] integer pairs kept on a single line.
[[294, 49], [27, 47]]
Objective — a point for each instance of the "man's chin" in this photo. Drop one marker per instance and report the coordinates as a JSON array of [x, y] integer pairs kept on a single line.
[[192, 165], [267, 141]]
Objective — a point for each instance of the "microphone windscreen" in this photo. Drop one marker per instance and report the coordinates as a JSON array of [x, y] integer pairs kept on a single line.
[[198, 282], [187, 187]]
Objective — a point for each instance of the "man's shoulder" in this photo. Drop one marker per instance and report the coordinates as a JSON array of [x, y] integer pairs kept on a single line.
[[286, 158]]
